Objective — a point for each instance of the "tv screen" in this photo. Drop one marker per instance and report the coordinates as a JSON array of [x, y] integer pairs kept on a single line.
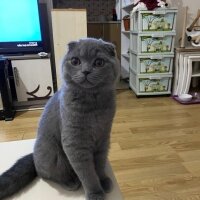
[[20, 26]]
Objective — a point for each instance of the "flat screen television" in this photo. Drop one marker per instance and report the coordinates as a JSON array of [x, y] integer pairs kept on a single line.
[[20, 27]]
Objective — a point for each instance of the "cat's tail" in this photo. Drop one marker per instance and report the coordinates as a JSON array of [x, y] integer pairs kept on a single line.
[[17, 177]]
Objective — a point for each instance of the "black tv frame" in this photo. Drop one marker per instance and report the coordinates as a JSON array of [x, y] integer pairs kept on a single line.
[[7, 49]]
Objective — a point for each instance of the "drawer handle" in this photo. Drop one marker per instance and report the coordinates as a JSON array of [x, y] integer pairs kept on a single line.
[[157, 35], [159, 12], [155, 78], [156, 57]]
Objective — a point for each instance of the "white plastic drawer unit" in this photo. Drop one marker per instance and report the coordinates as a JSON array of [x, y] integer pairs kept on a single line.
[[151, 64], [156, 20], [151, 85], [152, 43]]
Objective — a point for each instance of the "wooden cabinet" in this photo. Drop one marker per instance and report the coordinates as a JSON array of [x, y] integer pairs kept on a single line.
[[95, 30], [33, 79], [112, 34], [109, 31]]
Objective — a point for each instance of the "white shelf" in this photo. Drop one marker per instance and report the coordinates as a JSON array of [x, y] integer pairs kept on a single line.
[[125, 38], [126, 32], [196, 75], [126, 55]]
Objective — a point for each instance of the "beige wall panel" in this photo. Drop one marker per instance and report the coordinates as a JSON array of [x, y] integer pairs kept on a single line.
[[68, 25]]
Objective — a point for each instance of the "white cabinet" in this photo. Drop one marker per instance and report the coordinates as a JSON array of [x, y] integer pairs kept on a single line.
[[33, 79]]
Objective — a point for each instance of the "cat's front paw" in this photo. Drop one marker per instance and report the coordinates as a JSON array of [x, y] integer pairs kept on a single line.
[[96, 196], [106, 184]]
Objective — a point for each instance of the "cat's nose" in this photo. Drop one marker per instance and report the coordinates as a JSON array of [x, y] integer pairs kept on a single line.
[[86, 72]]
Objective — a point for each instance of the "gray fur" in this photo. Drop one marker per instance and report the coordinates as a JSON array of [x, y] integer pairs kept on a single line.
[[74, 131], [17, 177]]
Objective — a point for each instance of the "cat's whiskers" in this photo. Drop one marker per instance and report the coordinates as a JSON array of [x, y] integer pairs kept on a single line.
[[78, 78], [95, 77]]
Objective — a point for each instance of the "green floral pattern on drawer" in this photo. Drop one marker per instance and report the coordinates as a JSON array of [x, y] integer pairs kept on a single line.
[[156, 44], [153, 85], [148, 65], [152, 22]]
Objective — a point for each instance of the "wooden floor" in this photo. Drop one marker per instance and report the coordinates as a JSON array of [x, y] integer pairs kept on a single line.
[[155, 149]]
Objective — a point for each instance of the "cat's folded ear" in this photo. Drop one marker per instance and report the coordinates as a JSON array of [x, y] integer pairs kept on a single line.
[[71, 45], [110, 48]]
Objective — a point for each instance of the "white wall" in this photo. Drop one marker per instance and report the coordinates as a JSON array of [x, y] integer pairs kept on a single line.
[[193, 6]]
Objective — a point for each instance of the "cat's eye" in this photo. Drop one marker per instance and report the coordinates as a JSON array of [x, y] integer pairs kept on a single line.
[[98, 62], [75, 61]]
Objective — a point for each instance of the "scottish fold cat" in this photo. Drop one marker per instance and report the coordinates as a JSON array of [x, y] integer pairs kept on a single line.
[[74, 130]]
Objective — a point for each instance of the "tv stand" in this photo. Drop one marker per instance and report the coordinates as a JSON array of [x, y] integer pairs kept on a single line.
[[31, 80], [8, 112], [33, 77], [13, 54], [23, 56]]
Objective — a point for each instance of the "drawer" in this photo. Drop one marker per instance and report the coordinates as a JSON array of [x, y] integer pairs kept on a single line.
[[152, 43], [151, 64], [150, 85], [158, 20]]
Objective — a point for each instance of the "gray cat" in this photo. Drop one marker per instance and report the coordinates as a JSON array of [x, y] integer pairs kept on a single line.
[[74, 131]]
